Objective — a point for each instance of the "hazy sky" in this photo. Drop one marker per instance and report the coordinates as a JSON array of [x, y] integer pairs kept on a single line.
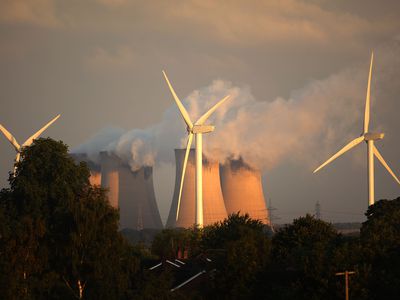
[[298, 71]]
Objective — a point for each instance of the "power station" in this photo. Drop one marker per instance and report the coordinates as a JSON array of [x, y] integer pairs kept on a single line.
[[201, 196], [229, 188]]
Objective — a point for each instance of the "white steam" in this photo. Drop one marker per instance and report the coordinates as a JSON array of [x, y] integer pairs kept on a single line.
[[307, 127]]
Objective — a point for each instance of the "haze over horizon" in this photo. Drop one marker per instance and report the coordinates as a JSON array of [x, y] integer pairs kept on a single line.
[[297, 70]]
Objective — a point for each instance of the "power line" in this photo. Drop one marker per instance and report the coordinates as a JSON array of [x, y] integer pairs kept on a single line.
[[343, 213], [318, 210], [272, 216], [346, 278]]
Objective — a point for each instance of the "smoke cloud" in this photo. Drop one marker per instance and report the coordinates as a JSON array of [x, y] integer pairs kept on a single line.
[[99, 142], [314, 121]]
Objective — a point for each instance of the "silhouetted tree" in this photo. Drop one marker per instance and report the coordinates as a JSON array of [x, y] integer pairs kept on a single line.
[[61, 236], [239, 246], [380, 241], [169, 242], [301, 265]]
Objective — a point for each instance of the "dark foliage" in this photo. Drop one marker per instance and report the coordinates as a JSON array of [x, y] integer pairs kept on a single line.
[[240, 247], [59, 239], [380, 241], [59, 236], [301, 261]]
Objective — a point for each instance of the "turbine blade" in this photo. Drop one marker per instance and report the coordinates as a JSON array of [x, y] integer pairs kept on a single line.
[[383, 162], [350, 145], [10, 138], [29, 141], [17, 159], [178, 102], [189, 143], [204, 117], [368, 97]]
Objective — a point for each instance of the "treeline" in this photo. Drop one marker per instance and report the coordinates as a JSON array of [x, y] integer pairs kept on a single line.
[[297, 262], [59, 239]]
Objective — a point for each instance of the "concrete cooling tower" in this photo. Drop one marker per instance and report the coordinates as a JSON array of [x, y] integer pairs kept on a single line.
[[242, 190], [110, 176], [131, 192], [95, 169], [213, 202], [137, 201]]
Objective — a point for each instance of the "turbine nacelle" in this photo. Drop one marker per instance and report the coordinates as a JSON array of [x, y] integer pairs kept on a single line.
[[202, 129], [373, 136]]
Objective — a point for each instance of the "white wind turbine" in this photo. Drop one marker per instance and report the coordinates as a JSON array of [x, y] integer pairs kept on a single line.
[[369, 138], [28, 142], [197, 129]]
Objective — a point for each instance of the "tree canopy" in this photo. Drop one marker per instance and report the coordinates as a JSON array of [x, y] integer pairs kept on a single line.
[[60, 236], [380, 241]]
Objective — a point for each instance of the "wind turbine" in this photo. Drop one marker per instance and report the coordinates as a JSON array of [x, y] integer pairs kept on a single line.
[[28, 142], [369, 138], [197, 129]]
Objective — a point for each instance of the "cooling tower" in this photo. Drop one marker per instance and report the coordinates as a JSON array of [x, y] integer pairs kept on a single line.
[[242, 190], [110, 177], [137, 201], [213, 203], [95, 169]]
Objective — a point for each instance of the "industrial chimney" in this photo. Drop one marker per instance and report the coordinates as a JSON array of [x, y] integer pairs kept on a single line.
[[110, 177], [137, 201], [242, 190], [213, 202], [95, 169]]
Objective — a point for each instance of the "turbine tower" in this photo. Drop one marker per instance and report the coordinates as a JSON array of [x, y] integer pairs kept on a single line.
[[213, 205], [28, 142], [369, 138], [197, 129]]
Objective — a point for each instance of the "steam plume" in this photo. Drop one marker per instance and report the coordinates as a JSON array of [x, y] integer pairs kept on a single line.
[[312, 121]]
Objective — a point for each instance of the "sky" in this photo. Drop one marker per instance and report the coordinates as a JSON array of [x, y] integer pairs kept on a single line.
[[296, 70]]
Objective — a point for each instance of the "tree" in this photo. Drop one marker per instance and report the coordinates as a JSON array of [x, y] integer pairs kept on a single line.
[[63, 239], [301, 264], [169, 242], [99, 260], [239, 246], [166, 243], [46, 179], [380, 241]]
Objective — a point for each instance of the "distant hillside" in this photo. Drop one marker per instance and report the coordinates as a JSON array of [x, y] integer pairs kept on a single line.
[[347, 228]]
